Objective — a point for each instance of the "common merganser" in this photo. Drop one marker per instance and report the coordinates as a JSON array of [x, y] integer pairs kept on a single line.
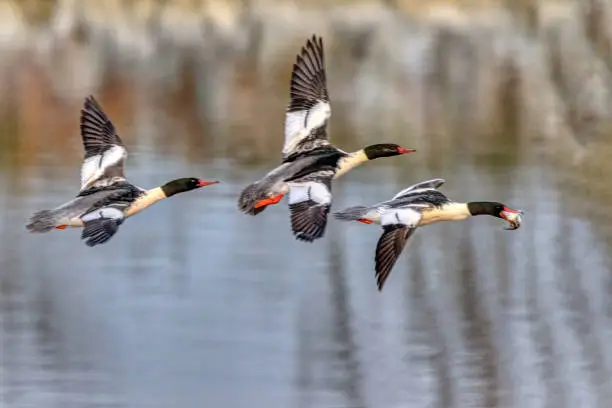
[[106, 198], [310, 162], [416, 206]]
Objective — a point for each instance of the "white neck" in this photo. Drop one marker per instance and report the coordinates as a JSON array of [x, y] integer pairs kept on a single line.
[[148, 199], [448, 212], [352, 160]]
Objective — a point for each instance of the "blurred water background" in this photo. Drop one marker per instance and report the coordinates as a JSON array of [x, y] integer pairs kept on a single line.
[[193, 304]]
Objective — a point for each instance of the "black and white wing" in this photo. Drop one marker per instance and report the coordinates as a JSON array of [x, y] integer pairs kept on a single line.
[[433, 184], [105, 153], [309, 205], [102, 224], [103, 218], [390, 245], [309, 109], [419, 196], [398, 226]]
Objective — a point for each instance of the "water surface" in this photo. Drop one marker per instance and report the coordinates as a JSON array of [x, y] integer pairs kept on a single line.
[[194, 304]]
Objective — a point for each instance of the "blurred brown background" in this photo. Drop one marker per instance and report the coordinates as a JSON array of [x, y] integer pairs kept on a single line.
[[194, 303]]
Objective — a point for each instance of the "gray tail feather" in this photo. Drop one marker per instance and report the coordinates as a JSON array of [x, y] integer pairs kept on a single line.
[[41, 221], [352, 213], [248, 198]]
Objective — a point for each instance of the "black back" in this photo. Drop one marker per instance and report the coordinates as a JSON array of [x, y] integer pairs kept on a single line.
[[122, 193]]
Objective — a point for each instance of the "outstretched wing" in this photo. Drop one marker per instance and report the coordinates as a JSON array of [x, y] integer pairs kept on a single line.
[[104, 217], [105, 153], [390, 245], [423, 185], [309, 108], [398, 225], [102, 224], [309, 205]]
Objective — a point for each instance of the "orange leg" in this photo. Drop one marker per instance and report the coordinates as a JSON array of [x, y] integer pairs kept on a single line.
[[365, 221], [269, 201], [61, 227]]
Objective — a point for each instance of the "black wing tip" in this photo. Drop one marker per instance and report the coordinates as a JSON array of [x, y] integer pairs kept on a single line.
[[304, 237], [92, 105], [387, 254], [382, 275], [312, 47], [308, 220], [380, 283], [313, 233], [100, 231], [315, 41], [308, 78], [310, 236], [90, 99], [92, 241], [97, 130]]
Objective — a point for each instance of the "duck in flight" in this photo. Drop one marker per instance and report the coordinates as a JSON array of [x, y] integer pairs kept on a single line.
[[416, 206], [309, 161], [106, 198]]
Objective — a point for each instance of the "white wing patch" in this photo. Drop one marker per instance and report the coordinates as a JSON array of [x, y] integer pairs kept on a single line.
[[94, 167], [106, 212], [310, 190], [404, 216], [299, 124]]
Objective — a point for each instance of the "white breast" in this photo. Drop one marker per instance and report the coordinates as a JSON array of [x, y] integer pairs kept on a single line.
[[148, 199], [448, 212], [349, 162], [405, 216]]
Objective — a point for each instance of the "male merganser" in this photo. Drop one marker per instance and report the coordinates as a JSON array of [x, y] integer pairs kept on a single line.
[[416, 206], [310, 161], [105, 198]]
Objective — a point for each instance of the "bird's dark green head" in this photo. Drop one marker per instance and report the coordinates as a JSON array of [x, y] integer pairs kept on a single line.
[[183, 185], [385, 150], [498, 210]]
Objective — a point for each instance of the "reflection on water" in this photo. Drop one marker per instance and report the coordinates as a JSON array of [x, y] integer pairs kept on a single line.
[[193, 302]]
